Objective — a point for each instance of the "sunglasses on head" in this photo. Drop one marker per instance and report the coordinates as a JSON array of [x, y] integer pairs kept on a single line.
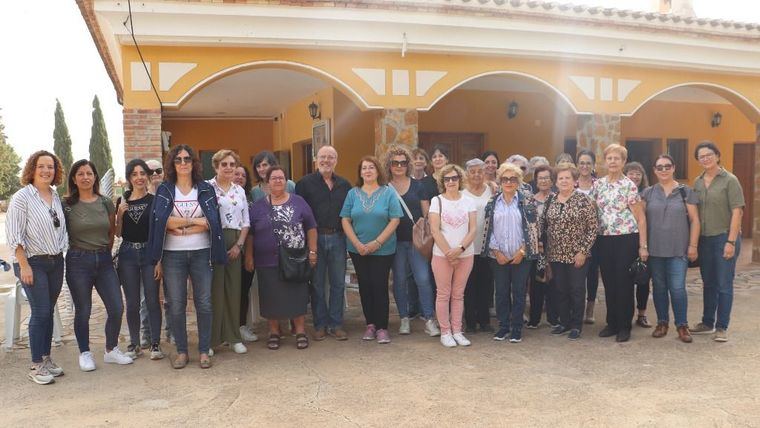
[[399, 163], [507, 180], [182, 159], [666, 167], [54, 215], [454, 179], [157, 171]]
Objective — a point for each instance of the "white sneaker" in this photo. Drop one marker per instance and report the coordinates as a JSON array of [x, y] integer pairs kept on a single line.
[[448, 341], [40, 375], [431, 328], [239, 348], [247, 334], [116, 357], [86, 361], [210, 352], [461, 340], [405, 328]]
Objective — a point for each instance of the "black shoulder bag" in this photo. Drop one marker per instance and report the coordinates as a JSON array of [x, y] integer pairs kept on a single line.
[[682, 191], [293, 263]]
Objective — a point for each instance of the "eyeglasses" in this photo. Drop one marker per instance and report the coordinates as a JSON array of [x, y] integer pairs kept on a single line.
[[157, 171], [402, 163], [54, 215], [507, 180], [454, 179], [666, 167], [706, 156], [542, 178], [585, 163], [524, 168], [276, 178], [182, 159], [227, 164]]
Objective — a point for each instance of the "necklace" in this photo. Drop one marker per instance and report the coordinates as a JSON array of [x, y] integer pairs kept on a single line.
[[368, 202]]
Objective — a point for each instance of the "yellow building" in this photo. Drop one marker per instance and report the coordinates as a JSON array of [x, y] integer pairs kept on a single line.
[[242, 74]]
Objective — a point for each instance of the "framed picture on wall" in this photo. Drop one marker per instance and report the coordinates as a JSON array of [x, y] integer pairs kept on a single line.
[[320, 136]]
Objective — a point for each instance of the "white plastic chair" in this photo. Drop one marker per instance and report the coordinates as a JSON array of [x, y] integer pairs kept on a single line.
[[13, 301]]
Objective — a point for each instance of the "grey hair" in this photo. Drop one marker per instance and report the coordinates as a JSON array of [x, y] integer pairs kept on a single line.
[[517, 158], [474, 162]]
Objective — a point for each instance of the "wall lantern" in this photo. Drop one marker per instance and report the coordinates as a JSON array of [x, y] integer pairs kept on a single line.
[[314, 111], [716, 119], [512, 110]]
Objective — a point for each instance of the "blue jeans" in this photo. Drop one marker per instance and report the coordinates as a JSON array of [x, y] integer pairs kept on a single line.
[[47, 272], [178, 266], [136, 276], [85, 269], [331, 264], [669, 283], [718, 279], [409, 259], [511, 282]]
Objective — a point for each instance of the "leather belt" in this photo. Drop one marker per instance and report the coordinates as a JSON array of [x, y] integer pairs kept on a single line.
[[135, 245]]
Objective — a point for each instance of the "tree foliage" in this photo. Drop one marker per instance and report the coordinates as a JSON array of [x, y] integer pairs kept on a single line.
[[100, 150], [62, 142], [9, 167]]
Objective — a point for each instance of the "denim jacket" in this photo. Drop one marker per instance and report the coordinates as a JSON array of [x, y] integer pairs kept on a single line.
[[529, 223], [163, 204]]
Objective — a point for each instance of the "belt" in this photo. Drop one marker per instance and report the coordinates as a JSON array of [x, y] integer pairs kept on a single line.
[[328, 231], [135, 245], [46, 256], [82, 250]]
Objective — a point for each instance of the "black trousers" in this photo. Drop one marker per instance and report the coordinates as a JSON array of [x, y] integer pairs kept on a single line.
[[542, 295], [616, 253], [372, 273], [478, 294], [592, 274], [570, 283], [642, 295], [245, 288]]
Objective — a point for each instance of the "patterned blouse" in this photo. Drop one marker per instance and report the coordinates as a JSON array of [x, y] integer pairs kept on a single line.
[[233, 206], [613, 202], [571, 227]]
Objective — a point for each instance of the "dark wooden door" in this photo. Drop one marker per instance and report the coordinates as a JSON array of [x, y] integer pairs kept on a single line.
[[744, 170], [462, 146], [644, 152]]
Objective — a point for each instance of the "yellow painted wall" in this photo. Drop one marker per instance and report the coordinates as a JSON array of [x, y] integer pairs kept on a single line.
[[354, 132]]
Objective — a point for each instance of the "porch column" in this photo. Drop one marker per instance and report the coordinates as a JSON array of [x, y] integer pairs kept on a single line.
[[395, 126], [596, 132], [142, 134], [756, 196]]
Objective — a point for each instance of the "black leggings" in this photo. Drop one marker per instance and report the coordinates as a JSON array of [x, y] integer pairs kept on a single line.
[[372, 273], [616, 253], [642, 295], [592, 274], [245, 288], [478, 293]]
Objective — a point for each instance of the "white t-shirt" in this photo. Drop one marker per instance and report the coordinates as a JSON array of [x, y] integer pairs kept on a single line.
[[187, 206], [455, 222], [480, 206]]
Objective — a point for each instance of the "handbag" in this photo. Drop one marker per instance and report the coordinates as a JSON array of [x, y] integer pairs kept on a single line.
[[639, 271], [422, 238], [293, 263], [682, 191]]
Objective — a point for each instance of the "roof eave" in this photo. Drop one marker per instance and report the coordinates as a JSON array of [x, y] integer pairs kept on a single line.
[[86, 7]]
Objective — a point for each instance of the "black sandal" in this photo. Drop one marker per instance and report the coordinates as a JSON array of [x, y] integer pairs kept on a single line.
[[302, 341], [273, 342]]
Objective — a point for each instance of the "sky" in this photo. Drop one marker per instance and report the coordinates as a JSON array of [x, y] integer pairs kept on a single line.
[[46, 52]]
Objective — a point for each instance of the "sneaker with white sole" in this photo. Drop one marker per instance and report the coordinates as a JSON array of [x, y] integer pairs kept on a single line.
[[720, 335], [133, 351], [239, 348], [247, 334], [210, 352], [461, 340], [86, 361], [40, 375], [405, 327], [156, 353], [448, 341], [702, 328], [52, 367], [115, 356], [431, 328]]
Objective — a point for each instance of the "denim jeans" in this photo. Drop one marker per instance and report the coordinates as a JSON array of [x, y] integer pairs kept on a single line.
[[136, 276], [85, 269], [47, 272], [511, 282], [718, 279], [331, 265], [409, 259], [669, 283], [178, 266]]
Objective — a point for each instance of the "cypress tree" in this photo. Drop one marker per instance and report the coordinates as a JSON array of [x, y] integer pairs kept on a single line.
[[9, 167], [100, 150], [62, 143]]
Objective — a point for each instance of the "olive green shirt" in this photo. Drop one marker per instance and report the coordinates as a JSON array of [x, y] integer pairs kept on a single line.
[[88, 224], [718, 201]]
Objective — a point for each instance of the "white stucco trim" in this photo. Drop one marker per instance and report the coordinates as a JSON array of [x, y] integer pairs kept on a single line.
[[170, 72], [425, 79], [698, 84], [625, 86], [400, 82], [140, 79], [586, 84], [374, 77], [605, 88]]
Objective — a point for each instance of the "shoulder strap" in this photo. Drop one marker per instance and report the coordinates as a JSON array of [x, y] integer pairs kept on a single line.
[[403, 204], [682, 191]]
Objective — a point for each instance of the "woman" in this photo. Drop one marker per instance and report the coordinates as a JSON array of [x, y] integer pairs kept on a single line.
[[541, 290], [413, 199], [38, 239], [370, 216], [281, 219], [622, 237], [90, 222], [586, 179], [186, 239], [635, 171], [720, 212], [243, 179], [261, 164], [453, 223], [479, 290], [571, 227], [511, 244], [226, 283], [491, 164], [673, 228], [439, 158], [420, 164], [136, 273]]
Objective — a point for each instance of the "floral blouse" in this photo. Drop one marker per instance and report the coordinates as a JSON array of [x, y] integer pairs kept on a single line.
[[571, 227], [233, 206], [613, 202]]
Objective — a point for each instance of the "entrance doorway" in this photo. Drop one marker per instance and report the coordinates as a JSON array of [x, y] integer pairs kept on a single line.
[[744, 170], [644, 152], [462, 146]]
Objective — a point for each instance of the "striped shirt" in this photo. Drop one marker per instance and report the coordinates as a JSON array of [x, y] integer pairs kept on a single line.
[[29, 223], [507, 234]]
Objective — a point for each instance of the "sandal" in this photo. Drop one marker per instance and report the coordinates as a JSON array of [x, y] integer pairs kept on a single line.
[[302, 341], [181, 361], [273, 342], [205, 363]]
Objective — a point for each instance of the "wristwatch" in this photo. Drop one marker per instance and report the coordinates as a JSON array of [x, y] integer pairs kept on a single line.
[[462, 248], [240, 246], [731, 242], [312, 252]]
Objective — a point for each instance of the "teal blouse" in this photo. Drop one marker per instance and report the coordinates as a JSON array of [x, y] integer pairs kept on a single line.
[[370, 215]]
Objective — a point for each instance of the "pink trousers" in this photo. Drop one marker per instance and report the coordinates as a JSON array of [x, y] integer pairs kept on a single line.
[[450, 282]]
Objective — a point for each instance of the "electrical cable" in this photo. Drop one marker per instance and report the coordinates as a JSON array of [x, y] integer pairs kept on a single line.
[[131, 29]]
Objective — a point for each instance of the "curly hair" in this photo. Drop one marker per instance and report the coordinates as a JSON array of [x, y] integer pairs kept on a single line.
[[447, 169], [27, 176], [170, 173], [380, 175], [398, 150], [72, 191]]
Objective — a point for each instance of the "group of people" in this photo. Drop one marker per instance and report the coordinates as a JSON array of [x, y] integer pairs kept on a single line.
[[497, 238]]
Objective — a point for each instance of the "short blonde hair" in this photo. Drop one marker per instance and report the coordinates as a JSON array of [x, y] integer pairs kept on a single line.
[[567, 166], [447, 169], [398, 150], [221, 154], [616, 148], [509, 167]]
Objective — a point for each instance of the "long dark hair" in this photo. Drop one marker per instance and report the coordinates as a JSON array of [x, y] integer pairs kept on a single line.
[[131, 167], [247, 184], [261, 157], [170, 173], [72, 194]]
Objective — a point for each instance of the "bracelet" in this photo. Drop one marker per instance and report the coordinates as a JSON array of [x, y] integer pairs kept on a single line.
[[378, 243], [733, 243], [692, 245], [644, 247], [312, 252]]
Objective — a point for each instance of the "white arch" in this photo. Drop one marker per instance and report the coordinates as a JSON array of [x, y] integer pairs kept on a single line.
[[698, 84], [255, 64], [506, 72]]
